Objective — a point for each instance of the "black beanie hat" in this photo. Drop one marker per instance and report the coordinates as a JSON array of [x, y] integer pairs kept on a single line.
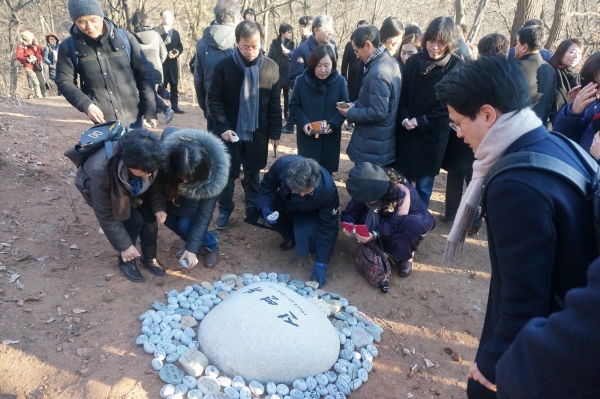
[[367, 182]]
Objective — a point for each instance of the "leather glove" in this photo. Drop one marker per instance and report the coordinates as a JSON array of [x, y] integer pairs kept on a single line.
[[320, 272], [266, 212]]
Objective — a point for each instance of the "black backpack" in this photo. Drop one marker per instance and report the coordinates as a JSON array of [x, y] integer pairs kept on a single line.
[[588, 185], [103, 135]]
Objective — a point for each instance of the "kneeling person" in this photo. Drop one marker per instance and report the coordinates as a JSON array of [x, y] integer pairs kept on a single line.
[[195, 171], [306, 198], [390, 208], [120, 191]]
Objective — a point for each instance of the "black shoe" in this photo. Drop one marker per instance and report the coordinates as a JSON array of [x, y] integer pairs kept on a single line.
[[287, 245], [151, 263], [130, 270], [405, 269], [178, 110]]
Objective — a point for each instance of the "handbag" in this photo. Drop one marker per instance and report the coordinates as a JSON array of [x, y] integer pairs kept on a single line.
[[374, 265]]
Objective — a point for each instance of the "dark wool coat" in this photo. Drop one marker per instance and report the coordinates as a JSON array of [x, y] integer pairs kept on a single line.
[[217, 43], [282, 60], [122, 89], [197, 200], [459, 157], [154, 49], [578, 127], [541, 78], [314, 100], [541, 240], [300, 57], [557, 357], [315, 216], [566, 80], [170, 69], [101, 189], [223, 106], [420, 151], [352, 70], [374, 136], [400, 234]]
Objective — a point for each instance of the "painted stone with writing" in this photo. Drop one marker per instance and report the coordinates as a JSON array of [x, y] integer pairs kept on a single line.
[[190, 381], [296, 394], [245, 393], [171, 374], [352, 321], [361, 317], [349, 345], [360, 337], [232, 393], [224, 381], [321, 390], [194, 394], [343, 386], [311, 395], [208, 385], [282, 389], [352, 371], [157, 364], [188, 322], [166, 390], [257, 388], [367, 365], [330, 376], [181, 389], [244, 335], [311, 383], [194, 362], [321, 379], [345, 377], [149, 347], [332, 389], [271, 388]]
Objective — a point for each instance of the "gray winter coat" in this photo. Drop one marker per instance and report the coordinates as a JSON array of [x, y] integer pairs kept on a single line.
[[374, 114], [154, 49], [196, 201], [217, 43]]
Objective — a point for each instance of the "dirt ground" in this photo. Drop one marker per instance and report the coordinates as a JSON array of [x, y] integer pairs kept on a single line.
[[63, 263]]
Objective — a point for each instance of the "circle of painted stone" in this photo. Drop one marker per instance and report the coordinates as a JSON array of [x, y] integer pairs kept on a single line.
[[250, 335]]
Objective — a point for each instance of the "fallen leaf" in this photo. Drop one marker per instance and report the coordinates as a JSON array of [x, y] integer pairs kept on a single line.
[[77, 311], [10, 342], [13, 277], [19, 285], [50, 320], [32, 299]]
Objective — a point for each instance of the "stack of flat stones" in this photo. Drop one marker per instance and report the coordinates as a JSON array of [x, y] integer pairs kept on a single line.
[[168, 334]]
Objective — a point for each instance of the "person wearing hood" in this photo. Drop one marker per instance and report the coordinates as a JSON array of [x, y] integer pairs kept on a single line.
[[29, 53], [194, 171], [155, 51], [50, 54], [318, 90], [115, 84], [217, 43]]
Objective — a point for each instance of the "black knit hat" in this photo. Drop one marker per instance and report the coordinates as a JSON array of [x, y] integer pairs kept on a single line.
[[367, 182], [79, 8]]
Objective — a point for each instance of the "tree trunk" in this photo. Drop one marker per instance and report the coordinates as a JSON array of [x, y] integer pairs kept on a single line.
[[128, 9], [561, 16], [477, 22], [266, 23], [13, 38], [459, 12], [526, 10]]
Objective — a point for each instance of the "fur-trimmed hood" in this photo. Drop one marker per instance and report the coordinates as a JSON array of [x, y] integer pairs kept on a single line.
[[219, 161]]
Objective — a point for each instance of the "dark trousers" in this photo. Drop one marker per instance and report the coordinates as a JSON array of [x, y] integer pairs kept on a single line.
[[250, 184], [160, 104], [183, 226], [174, 93], [454, 190], [477, 391], [142, 223], [286, 102]]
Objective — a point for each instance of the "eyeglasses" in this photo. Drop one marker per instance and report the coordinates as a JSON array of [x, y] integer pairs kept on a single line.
[[456, 126]]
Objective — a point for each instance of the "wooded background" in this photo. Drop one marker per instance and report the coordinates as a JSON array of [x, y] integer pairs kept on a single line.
[[562, 18]]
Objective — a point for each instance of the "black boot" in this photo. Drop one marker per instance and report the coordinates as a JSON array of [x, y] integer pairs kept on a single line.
[[148, 260], [130, 270]]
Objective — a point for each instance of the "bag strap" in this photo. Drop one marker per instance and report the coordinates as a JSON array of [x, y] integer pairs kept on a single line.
[[125, 43]]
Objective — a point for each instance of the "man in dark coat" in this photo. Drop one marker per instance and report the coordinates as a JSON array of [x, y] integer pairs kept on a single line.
[[374, 113], [352, 70], [172, 41], [546, 54], [540, 228], [540, 76], [557, 357], [217, 42], [322, 30], [114, 84], [243, 101], [306, 199]]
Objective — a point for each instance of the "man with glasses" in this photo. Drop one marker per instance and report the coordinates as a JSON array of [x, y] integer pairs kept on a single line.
[[540, 228], [243, 102], [322, 31], [299, 199]]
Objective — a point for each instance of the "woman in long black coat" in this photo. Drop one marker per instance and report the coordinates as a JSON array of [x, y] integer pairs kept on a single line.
[[314, 98], [423, 128], [280, 52]]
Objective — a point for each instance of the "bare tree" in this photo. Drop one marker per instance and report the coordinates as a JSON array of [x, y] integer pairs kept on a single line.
[[526, 10], [14, 24], [478, 20], [459, 12], [561, 17]]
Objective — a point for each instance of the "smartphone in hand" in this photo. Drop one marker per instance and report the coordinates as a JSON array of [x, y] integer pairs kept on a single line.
[[342, 104]]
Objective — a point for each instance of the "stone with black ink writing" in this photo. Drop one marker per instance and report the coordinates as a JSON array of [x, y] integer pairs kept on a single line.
[[363, 375], [339, 368], [360, 337], [171, 374], [367, 365], [282, 389], [185, 304], [311, 383], [238, 382], [311, 395], [245, 393], [343, 386], [373, 350], [352, 321], [211, 371], [157, 364], [155, 328], [344, 362], [149, 347], [331, 376], [172, 357], [164, 326], [321, 379], [365, 354], [300, 384], [332, 389], [166, 335], [208, 385], [224, 381], [170, 348], [194, 362], [155, 339], [194, 394], [189, 332], [198, 315], [181, 389], [345, 377], [257, 388], [232, 393], [349, 345], [344, 301], [194, 345], [159, 353], [355, 384], [148, 322], [339, 324], [188, 322], [159, 305], [297, 394], [321, 390], [141, 339], [166, 390], [374, 331], [185, 339], [190, 381], [177, 334], [352, 371], [340, 395]]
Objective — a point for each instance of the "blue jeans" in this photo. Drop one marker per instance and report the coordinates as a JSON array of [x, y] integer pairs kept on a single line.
[[424, 186], [183, 226]]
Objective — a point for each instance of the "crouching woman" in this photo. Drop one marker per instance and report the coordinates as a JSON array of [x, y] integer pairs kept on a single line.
[[391, 209], [194, 172], [121, 192]]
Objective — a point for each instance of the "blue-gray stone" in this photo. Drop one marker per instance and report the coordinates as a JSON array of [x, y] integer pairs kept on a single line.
[[141, 339], [367, 365], [334, 295], [204, 309], [255, 279], [282, 390], [155, 328], [262, 275], [171, 374], [321, 390], [301, 291], [344, 362], [195, 394], [349, 345], [292, 287], [311, 395], [374, 331], [355, 384], [373, 350], [256, 387], [342, 316], [365, 354], [345, 377], [357, 362], [185, 304], [363, 375], [300, 384], [147, 322], [159, 305], [183, 312], [340, 369], [272, 275], [352, 321], [351, 309], [311, 383], [352, 371], [172, 357], [343, 386], [247, 275], [232, 393], [332, 389], [344, 301], [149, 347], [346, 354], [175, 325], [198, 315], [296, 394], [326, 297], [297, 283], [181, 389], [339, 324], [172, 293], [308, 289], [321, 379]]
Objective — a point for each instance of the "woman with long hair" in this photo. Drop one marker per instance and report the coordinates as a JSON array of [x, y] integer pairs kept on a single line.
[[194, 172], [391, 34], [410, 45], [391, 209], [565, 60]]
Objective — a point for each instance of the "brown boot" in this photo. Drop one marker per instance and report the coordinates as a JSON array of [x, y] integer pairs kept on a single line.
[[211, 258]]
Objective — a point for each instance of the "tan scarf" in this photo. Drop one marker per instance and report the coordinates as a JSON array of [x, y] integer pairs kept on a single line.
[[505, 131]]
